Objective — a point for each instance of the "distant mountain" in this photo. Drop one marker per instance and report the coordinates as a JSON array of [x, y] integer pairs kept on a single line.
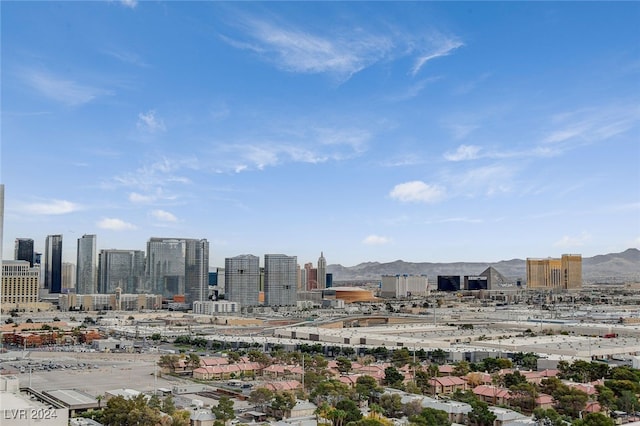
[[613, 267]]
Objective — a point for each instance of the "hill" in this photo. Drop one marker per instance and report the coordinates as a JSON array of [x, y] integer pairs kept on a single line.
[[612, 267]]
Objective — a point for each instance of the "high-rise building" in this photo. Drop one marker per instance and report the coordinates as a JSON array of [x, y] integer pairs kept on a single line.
[[24, 250], [20, 284], [68, 277], [448, 282], [87, 265], [312, 276], [322, 272], [404, 285], [53, 263], [280, 280], [121, 268], [178, 266], [242, 279], [196, 271], [552, 273]]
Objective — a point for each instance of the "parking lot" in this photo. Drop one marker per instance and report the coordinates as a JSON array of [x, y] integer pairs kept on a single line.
[[93, 373]]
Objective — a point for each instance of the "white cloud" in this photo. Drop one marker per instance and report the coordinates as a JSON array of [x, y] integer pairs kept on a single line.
[[296, 50], [376, 240], [342, 52], [134, 197], [115, 224], [52, 207], [464, 152], [439, 46], [573, 241], [164, 216], [65, 91], [131, 4], [150, 123], [417, 191]]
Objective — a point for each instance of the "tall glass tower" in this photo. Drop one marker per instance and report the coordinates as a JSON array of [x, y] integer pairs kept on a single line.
[[87, 265], [24, 250], [53, 263], [280, 276], [242, 279], [178, 266], [121, 268]]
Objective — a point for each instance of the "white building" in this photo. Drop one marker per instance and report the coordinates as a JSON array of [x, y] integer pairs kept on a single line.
[[400, 286], [216, 307]]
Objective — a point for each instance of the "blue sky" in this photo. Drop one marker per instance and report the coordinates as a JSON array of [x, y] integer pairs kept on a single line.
[[378, 131]]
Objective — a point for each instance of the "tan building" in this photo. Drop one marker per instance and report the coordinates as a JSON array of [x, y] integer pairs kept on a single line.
[[552, 273], [20, 284]]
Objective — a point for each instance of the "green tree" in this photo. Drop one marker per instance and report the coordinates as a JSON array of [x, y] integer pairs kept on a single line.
[[594, 419], [606, 397], [331, 391], [628, 402], [260, 397], [430, 417], [412, 408], [353, 413], [571, 402], [548, 417], [156, 337], [169, 362], [224, 410], [400, 357], [392, 405], [392, 377], [282, 402], [343, 364], [193, 361], [168, 405], [462, 368], [480, 414], [128, 412], [523, 395], [513, 379], [366, 386]]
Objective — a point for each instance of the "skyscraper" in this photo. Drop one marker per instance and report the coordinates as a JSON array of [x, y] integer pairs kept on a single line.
[[68, 277], [178, 267], [53, 263], [87, 265], [242, 279], [121, 268], [322, 272], [196, 282], [564, 273], [24, 250], [280, 280]]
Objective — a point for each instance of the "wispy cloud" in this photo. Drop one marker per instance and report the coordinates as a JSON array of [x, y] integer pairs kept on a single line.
[[151, 178], [592, 124], [488, 180], [127, 57], [437, 46], [299, 145], [51, 207], [65, 91], [464, 152], [115, 224], [455, 220], [414, 89], [163, 216], [573, 241], [131, 4], [417, 191], [148, 122], [341, 52], [376, 240], [296, 50]]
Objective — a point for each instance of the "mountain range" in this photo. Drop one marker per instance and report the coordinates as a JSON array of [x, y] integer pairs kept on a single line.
[[606, 268]]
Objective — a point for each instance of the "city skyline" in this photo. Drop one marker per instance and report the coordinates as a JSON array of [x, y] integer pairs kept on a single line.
[[436, 132]]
